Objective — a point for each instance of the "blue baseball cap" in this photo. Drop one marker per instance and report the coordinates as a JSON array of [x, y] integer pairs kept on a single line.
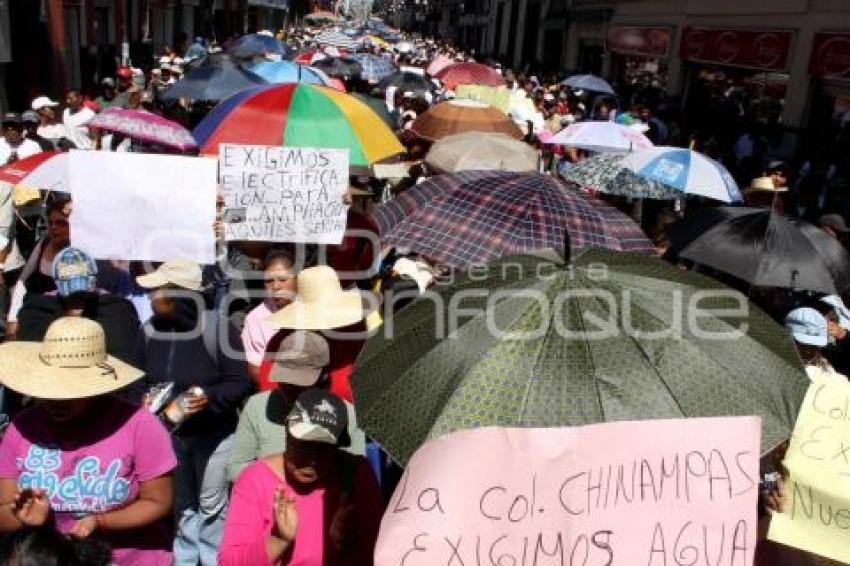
[[807, 326], [74, 271]]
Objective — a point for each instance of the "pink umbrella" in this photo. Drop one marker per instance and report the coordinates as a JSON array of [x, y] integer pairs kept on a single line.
[[438, 64], [146, 126]]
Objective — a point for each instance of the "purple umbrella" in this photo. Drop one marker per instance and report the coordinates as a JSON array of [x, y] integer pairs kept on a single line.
[[145, 126], [473, 217]]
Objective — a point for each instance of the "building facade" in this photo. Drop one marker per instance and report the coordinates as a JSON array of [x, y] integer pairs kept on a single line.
[[794, 51], [52, 45]]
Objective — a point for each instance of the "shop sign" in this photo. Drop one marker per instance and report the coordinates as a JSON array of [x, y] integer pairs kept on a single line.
[[830, 55], [765, 49], [639, 40]]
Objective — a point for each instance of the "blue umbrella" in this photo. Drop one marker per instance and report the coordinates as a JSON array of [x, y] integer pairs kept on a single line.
[[256, 44], [375, 68], [589, 82], [215, 78], [286, 72], [684, 170]]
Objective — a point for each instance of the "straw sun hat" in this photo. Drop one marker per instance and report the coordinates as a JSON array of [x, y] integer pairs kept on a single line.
[[71, 363], [764, 185], [321, 304]]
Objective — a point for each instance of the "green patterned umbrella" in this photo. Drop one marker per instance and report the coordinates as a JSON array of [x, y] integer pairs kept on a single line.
[[590, 356], [606, 174]]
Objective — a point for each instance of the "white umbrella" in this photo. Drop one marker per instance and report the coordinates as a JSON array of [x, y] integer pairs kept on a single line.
[[607, 137], [336, 39], [686, 171]]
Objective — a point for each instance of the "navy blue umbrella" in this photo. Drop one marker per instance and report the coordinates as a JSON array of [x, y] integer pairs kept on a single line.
[[256, 45], [215, 78]]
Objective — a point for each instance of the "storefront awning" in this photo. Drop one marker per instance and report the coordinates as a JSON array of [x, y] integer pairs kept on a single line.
[[640, 40], [830, 56], [756, 49], [275, 4]]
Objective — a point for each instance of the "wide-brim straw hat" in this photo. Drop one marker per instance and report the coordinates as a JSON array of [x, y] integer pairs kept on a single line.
[[764, 185], [181, 273], [71, 363], [322, 304]]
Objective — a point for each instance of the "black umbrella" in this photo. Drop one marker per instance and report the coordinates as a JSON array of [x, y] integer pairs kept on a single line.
[[216, 78], [405, 81], [341, 67], [763, 248]]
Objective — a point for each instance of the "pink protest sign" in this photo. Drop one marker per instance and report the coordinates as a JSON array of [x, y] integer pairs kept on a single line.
[[647, 493]]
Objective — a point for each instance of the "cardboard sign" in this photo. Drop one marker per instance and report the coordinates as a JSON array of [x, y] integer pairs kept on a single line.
[[139, 206], [817, 516], [652, 493], [283, 194]]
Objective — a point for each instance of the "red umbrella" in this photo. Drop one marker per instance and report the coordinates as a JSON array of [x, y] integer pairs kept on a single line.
[[16, 172], [469, 74]]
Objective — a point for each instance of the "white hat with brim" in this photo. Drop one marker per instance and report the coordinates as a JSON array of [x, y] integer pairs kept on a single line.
[[178, 272], [71, 363], [764, 185], [321, 304]]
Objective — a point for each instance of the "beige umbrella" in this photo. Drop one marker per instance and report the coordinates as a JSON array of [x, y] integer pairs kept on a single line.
[[475, 151], [457, 116]]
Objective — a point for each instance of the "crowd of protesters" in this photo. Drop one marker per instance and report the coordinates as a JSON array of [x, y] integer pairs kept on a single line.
[[238, 444]]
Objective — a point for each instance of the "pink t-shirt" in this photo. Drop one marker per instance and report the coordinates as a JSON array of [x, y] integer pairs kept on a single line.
[[257, 333], [250, 521], [94, 468]]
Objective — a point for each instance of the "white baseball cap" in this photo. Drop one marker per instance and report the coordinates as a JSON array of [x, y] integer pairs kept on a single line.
[[42, 102]]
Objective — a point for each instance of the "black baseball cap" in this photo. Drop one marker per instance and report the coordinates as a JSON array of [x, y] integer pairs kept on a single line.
[[318, 416], [12, 118]]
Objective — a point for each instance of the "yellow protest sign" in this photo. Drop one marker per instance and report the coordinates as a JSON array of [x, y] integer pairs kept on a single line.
[[817, 513]]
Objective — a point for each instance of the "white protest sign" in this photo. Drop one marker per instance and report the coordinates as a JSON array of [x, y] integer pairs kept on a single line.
[[648, 493], [139, 206], [283, 194]]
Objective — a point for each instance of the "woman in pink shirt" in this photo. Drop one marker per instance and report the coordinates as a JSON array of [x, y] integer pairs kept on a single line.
[[314, 505], [90, 463], [279, 282]]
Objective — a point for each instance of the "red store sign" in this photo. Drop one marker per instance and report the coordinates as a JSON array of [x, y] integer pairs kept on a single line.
[[635, 40], [765, 49], [830, 55]]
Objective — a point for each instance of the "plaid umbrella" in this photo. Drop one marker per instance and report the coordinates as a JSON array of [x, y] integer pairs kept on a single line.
[[606, 174], [374, 67], [469, 74], [473, 217]]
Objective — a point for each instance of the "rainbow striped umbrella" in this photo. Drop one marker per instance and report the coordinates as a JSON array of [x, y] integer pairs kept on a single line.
[[299, 115]]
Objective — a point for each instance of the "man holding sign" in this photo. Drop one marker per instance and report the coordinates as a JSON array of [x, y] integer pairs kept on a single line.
[[281, 194]]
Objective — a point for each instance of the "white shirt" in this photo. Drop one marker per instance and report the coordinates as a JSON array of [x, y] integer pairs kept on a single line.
[[52, 132], [25, 149], [75, 127]]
